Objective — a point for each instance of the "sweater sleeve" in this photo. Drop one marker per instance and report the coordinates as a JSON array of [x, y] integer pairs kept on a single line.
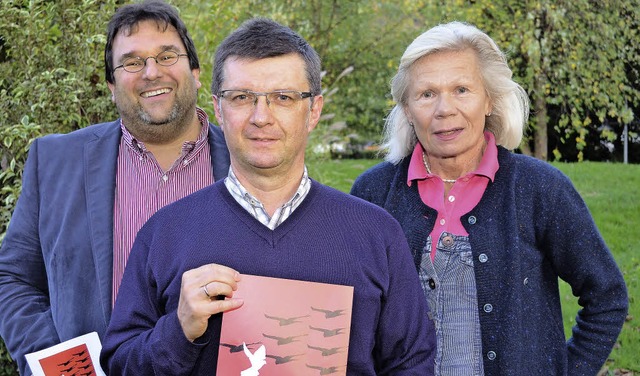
[[582, 259], [406, 336], [143, 339]]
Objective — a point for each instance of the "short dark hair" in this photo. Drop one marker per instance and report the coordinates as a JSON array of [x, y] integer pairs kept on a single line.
[[127, 18], [260, 38]]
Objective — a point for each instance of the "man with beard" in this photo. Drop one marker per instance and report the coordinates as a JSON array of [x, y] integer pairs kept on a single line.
[[86, 194]]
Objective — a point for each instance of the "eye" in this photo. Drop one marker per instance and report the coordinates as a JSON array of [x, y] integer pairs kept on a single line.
[[133, 62], [168, 57], [282, 97], [427, 94], [241, 97], [462, 90]]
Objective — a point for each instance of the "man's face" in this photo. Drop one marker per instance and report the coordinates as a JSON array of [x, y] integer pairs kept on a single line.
[[267, 139], [158, 103]]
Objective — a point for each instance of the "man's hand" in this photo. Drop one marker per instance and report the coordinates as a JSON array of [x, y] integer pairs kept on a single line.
[[199, 294]]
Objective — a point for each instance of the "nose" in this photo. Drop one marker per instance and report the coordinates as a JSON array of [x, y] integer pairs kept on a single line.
[[261, 115], [150, 70], [445, 106]]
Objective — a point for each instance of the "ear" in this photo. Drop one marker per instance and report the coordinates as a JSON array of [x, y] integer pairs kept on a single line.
[[316, 111], [196, 75], [112, 88], [407, 114], [218, 111]]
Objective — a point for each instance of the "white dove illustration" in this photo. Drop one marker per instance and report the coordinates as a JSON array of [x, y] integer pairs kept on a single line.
[[257, 359]]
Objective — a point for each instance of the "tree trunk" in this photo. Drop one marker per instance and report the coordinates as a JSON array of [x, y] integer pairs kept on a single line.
[[540, 109]]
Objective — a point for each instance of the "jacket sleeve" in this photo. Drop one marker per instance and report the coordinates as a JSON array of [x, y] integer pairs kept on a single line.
[[26, 323], [582, 259]]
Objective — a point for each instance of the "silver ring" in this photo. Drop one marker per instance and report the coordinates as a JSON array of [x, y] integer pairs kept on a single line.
[[206, 292]]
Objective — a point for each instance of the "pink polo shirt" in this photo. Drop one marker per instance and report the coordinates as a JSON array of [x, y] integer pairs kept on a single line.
[[463, 196]]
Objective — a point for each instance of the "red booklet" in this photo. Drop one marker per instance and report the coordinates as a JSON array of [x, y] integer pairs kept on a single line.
[[286, 327], [78, 356]]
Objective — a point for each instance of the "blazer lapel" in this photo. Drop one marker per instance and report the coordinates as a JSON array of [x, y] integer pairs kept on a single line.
[[219, 153], [100, 161]]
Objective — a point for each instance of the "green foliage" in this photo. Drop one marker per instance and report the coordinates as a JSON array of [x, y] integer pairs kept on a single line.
[[50, 78]]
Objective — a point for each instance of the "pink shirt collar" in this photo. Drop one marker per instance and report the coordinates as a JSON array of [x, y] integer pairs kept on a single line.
[[487, 167]]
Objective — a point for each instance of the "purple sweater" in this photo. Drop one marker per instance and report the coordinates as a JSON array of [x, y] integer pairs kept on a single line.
[[331, 238]]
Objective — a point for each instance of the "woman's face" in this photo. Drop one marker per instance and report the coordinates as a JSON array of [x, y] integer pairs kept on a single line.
[[447, 103]]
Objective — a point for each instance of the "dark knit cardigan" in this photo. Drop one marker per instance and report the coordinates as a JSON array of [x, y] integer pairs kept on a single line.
[[330, 238], [530, 227]]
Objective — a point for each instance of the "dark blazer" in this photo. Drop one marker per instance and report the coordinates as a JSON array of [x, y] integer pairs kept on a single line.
[[56, 260]]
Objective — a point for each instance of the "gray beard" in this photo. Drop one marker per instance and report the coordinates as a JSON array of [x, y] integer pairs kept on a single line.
[[165, 130]]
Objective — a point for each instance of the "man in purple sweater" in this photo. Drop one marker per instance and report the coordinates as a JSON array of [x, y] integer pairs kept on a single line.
[[267, 218]]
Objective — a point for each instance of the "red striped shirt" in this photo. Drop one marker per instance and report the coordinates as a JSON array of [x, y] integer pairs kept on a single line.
[[142, 187]]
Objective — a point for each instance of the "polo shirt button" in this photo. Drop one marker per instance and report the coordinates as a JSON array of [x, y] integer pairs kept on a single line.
[[432, 284], [483, 258], [472, 220], [488, 308], [491, 355]]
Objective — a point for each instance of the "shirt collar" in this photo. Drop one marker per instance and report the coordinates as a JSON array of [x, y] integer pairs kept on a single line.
[[257, 209], [488, 164]]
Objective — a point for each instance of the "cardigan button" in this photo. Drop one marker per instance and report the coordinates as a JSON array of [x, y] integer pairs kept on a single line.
[[488, 308], [491, 355], [472, 220], [483, 258]]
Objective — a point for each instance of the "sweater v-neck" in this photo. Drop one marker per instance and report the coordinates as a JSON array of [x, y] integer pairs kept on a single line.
[[272, 237]]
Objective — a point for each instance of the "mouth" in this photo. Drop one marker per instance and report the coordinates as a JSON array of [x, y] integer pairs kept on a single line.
[[154, 93], [449, 132]]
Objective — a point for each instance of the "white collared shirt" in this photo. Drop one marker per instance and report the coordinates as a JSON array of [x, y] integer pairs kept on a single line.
[[256, 208]]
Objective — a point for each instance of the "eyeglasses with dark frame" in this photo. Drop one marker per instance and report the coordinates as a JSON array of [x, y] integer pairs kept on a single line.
[[136, 64], [243, 99]]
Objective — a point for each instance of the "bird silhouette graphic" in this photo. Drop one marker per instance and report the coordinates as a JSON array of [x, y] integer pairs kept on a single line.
[[80, 353], [325, 351], [257, 359], [327, 332], [329, 313], [283, 321], [238, 348], [326, 370], [283, 359], [283, 340], [63, 364]]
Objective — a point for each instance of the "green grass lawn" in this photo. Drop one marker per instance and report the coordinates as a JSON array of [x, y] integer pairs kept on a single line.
[[612, 193]]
